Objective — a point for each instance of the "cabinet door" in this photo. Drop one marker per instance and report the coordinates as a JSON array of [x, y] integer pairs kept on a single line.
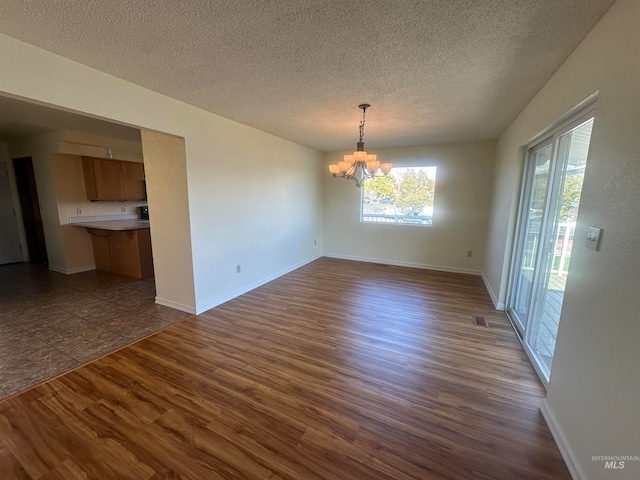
[[133, 185], [103, 178], [124, 255], [101, 250]]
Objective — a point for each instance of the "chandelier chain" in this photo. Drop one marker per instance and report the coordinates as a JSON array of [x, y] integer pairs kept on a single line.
[[364, 111]]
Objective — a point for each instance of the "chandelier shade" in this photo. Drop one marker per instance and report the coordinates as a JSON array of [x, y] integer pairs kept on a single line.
[[360, 166]]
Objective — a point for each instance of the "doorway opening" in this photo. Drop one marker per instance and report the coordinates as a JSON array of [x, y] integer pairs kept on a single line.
[[30, 207], [10, 248]]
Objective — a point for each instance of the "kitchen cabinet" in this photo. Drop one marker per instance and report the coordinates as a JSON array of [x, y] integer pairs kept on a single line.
[[101, 253], [133, 186], [123, 252], [107, 179]]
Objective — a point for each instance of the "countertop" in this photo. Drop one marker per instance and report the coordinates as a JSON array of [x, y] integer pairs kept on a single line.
[[129, 224]]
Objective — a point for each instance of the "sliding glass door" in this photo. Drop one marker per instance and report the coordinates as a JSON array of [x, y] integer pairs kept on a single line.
[[532, 208], [544, 240]]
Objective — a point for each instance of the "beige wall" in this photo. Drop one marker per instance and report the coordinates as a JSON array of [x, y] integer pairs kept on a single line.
[[254, 199], [166, 165], [70, 194], [83, 143], [463, 188], [594, 389]]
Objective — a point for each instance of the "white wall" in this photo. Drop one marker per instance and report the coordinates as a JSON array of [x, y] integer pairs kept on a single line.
[[594, 391], [260, 207], [461, 205], [253, 199]]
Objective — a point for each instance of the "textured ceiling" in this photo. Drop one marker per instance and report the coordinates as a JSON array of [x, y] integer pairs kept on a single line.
[[433, 71]]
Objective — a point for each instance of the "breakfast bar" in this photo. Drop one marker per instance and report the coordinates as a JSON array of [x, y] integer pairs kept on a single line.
[[122, 247]]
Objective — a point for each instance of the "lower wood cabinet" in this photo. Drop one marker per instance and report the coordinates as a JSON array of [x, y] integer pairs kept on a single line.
[[101, 253], [123, 252]]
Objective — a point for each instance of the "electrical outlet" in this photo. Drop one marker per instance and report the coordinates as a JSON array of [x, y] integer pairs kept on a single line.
[[79, 210], [123, 209], [469, 253], [238, 268]]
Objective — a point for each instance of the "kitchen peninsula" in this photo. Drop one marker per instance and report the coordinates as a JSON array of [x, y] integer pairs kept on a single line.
[[120, 246]]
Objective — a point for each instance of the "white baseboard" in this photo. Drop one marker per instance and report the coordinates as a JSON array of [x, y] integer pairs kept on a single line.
[[84, 268], [175, 305], [566, 451], [494, 298], [57, 269], [71, 271], [248, 288], [403, 264]]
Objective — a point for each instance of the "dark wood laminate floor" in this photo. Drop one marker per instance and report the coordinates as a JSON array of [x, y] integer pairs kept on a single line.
[[51, 323], [339, 370]]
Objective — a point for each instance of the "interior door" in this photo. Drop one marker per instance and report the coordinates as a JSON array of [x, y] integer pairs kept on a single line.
[[10, 250]]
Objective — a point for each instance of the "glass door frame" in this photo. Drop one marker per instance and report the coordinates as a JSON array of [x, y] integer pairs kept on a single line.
[[519, 240], [550, 138]]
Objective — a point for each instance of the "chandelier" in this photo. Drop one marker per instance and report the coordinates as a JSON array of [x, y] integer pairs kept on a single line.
[[360, 166]]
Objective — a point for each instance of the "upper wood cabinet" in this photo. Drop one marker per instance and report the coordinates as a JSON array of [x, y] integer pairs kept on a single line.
[[107, 179], [102, 178], [133, 186]]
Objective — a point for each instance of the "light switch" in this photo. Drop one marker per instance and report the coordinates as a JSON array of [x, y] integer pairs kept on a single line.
[[593, 238]]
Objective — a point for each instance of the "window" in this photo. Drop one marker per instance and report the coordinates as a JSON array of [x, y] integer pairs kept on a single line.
[[405, 196]]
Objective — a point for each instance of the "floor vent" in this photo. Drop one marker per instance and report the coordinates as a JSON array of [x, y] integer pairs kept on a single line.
[[479, 321]]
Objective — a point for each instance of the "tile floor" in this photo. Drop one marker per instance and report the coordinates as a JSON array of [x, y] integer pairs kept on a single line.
[[51, 323]]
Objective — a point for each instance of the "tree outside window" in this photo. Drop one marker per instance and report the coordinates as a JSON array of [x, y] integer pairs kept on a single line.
[[405, 196]]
